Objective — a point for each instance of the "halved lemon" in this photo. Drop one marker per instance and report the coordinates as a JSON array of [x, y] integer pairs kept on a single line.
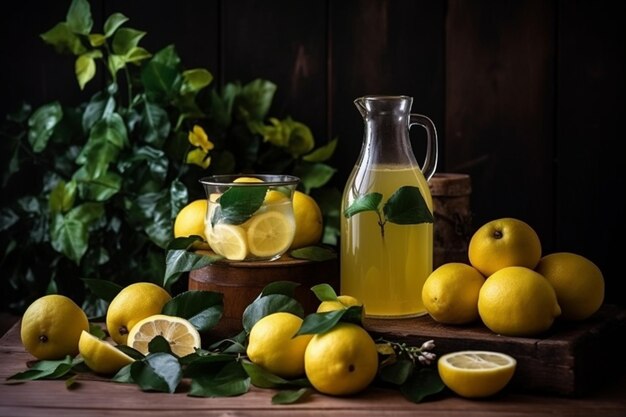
[[270, 234], [101, 356], [229, 241], [180, 334], [474, 373]]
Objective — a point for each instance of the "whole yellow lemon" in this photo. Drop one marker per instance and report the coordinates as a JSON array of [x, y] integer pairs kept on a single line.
[[517, 301], [190, 219], [341, 361], [504, 242], [272, 344], [132, 304], [341, 303], [309, 220], [578, 283], [450, 293], [51, 327]]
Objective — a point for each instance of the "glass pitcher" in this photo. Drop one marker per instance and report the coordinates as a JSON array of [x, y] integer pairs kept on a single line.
[[387, 222]]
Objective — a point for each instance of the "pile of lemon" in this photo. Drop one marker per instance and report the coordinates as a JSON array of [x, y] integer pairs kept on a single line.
[[341, 361], [510, 286], [54, 326], [267, 233], [514, 291]]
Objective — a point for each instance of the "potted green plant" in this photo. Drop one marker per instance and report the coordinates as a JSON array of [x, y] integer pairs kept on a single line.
[[107, 177]]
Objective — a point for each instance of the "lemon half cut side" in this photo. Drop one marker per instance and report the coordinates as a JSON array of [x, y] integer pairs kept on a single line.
[[270, 234], [183, 338], [475, 373]]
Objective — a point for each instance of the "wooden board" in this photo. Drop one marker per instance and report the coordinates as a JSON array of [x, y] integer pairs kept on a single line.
[[569, 360]]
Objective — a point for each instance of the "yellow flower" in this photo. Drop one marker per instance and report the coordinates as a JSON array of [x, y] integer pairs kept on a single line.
[[200, 155]]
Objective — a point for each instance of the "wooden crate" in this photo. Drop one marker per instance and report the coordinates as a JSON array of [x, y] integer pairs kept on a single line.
[[569, 360]]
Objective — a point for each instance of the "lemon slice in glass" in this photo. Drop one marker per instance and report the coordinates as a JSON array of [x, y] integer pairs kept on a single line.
[[180, 334], [475, 374], [270, 234], [101, 356], [229, 241]]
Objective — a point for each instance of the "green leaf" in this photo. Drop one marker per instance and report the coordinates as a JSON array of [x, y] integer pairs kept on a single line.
[[85, 67], [96, 39], [195, 80], [47, 369], [102, 288], [202, 363], [255, 99], [300, 140], [123, 375], [230, 381], [178, 197], [287, 288], [291, 396], [79, 17], [155, 124], [323, 153], [106, 139], [101, 105], [136, 55], [203, 309], [324, 292], [397, 373], [86, 213], [115, 63], [322, 322], [313, 175], [157, 372], [69, 237], [183, 243], [262, 378], [100, 188], [126, 39], [421, 384], [113, 22], [96, 330], [180, 260], [269, 304], [8, 218], [407, 206], [238, 204], [63, 39], [167, 56], [42, 123], [314, 253], [159, 344], [161, 75], [367, 202], [62, 197]]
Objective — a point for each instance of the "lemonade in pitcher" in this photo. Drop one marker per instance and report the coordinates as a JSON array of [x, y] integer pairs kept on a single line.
[[387, 222]]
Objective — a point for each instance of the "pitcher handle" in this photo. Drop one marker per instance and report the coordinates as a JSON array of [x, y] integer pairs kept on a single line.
[[430, 161]]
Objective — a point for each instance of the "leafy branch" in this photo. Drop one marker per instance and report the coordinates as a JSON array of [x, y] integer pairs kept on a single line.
[[405, 206]]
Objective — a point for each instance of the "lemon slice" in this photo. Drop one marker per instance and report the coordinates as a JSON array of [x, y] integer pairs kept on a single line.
[[475, 374], [180, 333], [101, 356], [229, 241], [270, 234], [248, 179]]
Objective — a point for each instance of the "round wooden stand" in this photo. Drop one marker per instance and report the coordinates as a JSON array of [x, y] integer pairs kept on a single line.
[[242, 282]]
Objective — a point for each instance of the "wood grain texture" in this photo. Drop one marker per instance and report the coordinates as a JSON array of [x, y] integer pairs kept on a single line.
[[570, 359], [97, 397], [500, 60]]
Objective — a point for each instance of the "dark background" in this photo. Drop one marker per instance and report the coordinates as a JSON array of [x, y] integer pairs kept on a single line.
[[528, 96]]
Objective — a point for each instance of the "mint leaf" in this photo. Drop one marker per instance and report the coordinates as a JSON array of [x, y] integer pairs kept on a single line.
[[407, 206], [367, 202]]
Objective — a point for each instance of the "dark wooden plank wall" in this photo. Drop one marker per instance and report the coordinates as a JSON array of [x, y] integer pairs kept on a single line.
[[528, 96]]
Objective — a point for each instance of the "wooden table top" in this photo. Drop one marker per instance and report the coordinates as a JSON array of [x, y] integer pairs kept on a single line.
[[92, 397]]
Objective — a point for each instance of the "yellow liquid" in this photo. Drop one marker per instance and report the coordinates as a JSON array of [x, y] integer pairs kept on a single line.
[[386, 274]]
